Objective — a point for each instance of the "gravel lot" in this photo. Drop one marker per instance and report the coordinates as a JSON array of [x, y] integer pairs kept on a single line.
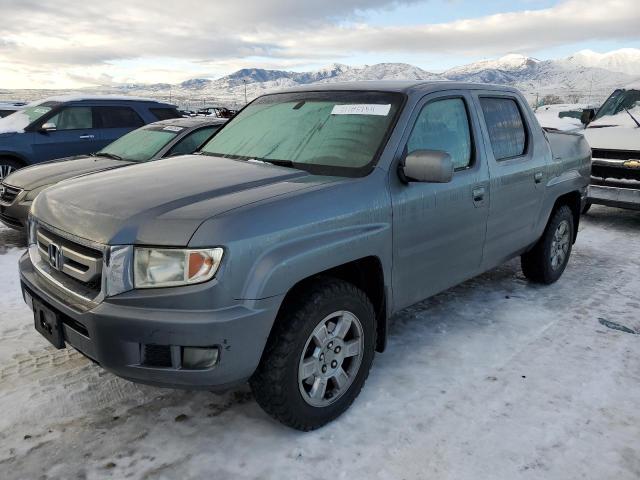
[[496, 378]]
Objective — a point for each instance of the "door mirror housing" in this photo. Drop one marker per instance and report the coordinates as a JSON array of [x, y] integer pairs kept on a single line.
[[47, 127], [588, 114], [433, 166]]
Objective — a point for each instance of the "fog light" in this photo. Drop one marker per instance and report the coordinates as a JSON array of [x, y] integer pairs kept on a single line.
[[199, 358]]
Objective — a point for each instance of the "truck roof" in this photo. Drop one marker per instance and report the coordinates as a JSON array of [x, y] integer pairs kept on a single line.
[[402, 86]]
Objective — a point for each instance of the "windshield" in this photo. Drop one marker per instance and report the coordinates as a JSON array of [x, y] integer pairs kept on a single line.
[[142, 144], [18, 121], [618, 102], [333, 133], [37, 111]]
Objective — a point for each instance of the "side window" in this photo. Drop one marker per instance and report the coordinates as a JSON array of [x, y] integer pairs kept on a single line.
[[165, 113], [192, 141], [443, 125], [118, 117], [506, 128], [72, 118]]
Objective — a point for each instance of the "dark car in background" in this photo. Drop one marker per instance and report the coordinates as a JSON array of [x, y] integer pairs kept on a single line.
[[162, 139], [220, 112], [72, 125]]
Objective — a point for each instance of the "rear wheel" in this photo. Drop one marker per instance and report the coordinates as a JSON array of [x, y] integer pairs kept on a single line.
[[546, 261], [318, 356], [8, 166]]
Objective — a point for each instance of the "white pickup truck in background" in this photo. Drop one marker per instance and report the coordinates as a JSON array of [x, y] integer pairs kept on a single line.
[[614, 136]]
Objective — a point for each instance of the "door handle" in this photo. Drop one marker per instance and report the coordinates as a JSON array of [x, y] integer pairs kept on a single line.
[[84, 137], [538, 177], [478, 194]]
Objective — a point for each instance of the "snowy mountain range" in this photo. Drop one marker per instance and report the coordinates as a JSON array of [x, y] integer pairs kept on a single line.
[[585, 76]]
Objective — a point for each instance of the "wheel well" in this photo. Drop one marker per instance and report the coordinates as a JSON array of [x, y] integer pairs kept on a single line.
[[366, 274], [571, 200], [15, 158]]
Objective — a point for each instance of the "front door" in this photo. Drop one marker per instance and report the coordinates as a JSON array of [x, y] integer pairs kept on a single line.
[[439, 229], [74, 134]]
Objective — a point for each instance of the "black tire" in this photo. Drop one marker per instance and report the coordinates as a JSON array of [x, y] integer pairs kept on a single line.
[[537, 264], [586, 207], [8, 165], [275, 382]]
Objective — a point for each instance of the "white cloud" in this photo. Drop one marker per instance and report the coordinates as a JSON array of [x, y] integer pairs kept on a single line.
[[166, 41]]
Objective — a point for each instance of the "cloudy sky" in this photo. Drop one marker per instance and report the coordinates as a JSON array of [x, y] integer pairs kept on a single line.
[[73, 43]]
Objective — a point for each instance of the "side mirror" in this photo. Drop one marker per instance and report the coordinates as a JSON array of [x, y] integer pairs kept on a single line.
[[588, 114], [47, 127], [433, 166]]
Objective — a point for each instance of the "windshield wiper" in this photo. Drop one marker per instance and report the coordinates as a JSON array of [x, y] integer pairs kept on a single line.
[[280, 163], [632, 117], [107, 155]]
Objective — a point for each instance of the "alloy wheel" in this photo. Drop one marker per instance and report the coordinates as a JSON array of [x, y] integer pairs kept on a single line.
[[331, 358], [560, 244]]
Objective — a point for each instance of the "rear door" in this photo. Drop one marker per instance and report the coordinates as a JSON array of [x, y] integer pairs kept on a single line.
[[518, 171], [75, 134], [114, 121], [439, 229]]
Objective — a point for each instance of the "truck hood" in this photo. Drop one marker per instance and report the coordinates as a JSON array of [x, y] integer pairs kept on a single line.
[[613, 138], [50, 173], [162, 202]]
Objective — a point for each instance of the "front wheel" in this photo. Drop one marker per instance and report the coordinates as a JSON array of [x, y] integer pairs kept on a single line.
[[546, 261], [318, 356]]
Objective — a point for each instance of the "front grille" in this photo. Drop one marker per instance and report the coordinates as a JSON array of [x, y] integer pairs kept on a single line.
[[71, 261], [14, 222], [156, 356], [614, 154], [8, 193], [617, 172]]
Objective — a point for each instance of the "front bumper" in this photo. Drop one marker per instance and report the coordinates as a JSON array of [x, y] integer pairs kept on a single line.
[[116, 334], [614, 196]]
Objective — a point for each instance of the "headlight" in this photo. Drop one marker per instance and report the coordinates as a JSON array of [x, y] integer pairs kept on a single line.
[[170, 267]]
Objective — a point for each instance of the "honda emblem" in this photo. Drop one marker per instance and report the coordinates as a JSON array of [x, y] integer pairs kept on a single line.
[[54, 256]]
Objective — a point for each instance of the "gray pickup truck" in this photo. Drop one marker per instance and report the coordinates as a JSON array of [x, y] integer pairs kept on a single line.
[[279, 253]]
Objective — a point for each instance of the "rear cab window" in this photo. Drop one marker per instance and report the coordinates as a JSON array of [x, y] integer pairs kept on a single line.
[[506, 126]]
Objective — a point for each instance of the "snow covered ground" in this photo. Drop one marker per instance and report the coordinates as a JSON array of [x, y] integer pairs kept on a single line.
[[496, 378]]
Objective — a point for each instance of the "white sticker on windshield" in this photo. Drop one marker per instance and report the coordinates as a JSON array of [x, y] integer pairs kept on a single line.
[[362, 109], [171, 128]]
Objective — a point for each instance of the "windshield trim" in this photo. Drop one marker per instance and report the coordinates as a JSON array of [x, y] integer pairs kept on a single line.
[[325, 170]]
